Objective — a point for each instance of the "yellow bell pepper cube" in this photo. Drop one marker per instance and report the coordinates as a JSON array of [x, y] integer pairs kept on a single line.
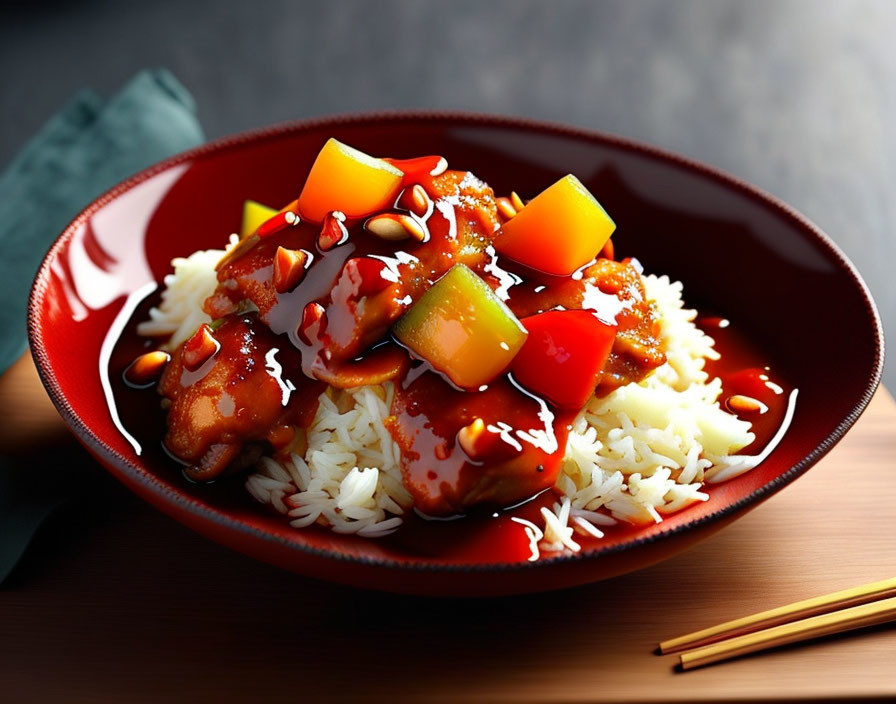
[[254, 214]]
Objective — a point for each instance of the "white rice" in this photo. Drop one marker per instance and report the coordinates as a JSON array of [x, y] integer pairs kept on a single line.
[[349, 478], [180, 312], [635, 455]]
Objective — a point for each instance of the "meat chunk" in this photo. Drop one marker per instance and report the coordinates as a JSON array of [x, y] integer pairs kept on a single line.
[[514, 452], [248, 393], [637, 349]]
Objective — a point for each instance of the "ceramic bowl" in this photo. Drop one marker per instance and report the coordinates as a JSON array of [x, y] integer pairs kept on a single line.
[[738, 251]]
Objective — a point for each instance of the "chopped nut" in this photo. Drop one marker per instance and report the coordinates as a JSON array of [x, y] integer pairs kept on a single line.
[[440, 167], [416, 200], [147, 368], [200, 348], [312, 316], [332, 232], [289, 268], [745, 404], [395, 227], [470, 438], [505, 207]]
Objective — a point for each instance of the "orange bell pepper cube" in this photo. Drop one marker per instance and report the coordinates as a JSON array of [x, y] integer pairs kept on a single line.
[[557, 232], [347, 180], [462, 329]]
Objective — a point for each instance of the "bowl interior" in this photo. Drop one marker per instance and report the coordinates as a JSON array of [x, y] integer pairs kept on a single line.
[[738, 253]]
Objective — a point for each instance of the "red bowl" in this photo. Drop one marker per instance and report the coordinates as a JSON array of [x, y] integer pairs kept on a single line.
[[736, 249]]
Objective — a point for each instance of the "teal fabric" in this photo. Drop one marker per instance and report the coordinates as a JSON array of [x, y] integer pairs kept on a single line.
[[88, 147]]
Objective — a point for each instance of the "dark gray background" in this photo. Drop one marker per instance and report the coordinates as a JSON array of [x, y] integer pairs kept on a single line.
[[796, 97]]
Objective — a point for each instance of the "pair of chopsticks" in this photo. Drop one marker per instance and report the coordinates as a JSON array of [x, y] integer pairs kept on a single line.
[[846, 610]]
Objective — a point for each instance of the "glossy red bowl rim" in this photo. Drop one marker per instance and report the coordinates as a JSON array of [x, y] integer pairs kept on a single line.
[[169, 496]]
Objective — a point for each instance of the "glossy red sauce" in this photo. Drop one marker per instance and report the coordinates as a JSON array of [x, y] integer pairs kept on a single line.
[[485, 535], [743, 371], [357, 289]]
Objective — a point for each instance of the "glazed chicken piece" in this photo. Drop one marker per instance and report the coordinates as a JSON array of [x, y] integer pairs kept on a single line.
[[637, 349], [520, 441], [459, 449], [615, 289], [362, 286], [495, 446], [246, 397], [356, 291]]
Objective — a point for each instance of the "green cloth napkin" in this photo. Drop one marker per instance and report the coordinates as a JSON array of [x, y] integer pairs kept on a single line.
[[88, 147]]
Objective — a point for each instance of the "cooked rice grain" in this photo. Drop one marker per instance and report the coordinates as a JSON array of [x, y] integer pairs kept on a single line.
[[180, 311], [637, 454]]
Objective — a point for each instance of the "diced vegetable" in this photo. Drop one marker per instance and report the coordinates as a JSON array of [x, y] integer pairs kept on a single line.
[[278, 223], [563, 356], [253, 215], [347, 180], [462, 329], [560, 230]]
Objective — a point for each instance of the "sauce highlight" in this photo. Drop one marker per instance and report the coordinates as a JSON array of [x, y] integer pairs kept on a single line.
[[279, 345]]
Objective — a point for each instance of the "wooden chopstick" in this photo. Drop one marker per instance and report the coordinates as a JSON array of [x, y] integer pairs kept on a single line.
[[826, 624], [784, 614]]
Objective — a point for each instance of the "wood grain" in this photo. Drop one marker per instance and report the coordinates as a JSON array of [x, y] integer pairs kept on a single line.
[[116, 602]]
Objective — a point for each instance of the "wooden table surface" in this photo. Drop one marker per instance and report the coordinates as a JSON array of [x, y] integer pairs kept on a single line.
[[116, 602]]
